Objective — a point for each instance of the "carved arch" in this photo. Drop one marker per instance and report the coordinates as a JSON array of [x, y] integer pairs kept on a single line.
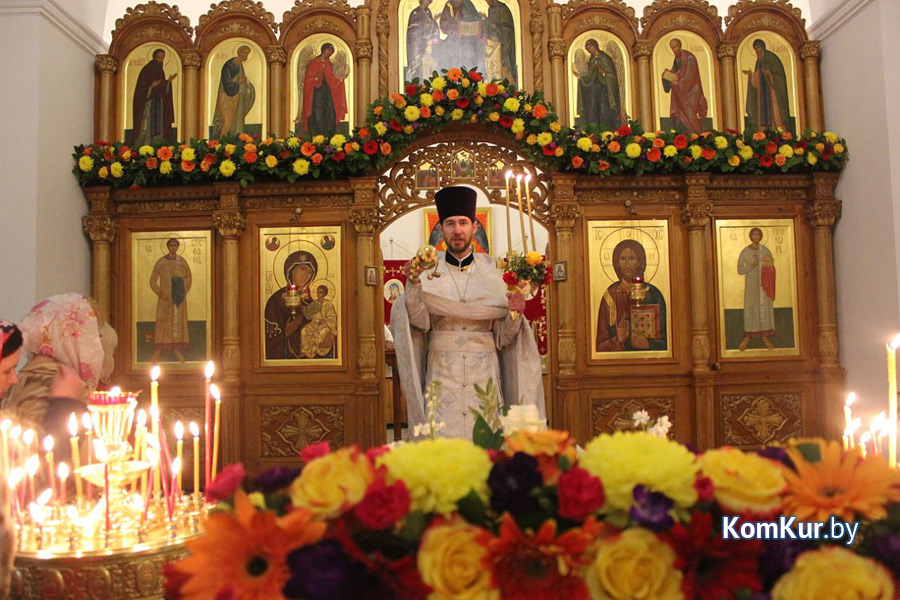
[[747, 16], [151, 22], [698, 16], [236, 18]]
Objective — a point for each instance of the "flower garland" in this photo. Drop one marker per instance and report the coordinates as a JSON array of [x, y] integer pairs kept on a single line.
[[454, 97], [635, 515]]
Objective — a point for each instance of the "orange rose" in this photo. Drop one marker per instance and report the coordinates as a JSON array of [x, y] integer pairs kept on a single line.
[[452, 94], [424, 112], [659, 143], [614, 146], [540, 111], [385, 148], [245, 138], [603, 165], [152, 162], [577, 161], [546, 446], [377, 110], [780, 159], [454, 74], [249, 147], [316, 158], [307, 149], [759, 136], [348, 148]]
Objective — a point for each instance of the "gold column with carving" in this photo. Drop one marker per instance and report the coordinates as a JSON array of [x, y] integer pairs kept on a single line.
[[190, 116], [822, 212], [364, 50], [230, 223], [695, 214], [364, 217], [643, 49], [556, 47], [276, 56], [107, 65], [382, 32], [536, 28], [727, 52], [809, 53], [101, 227]]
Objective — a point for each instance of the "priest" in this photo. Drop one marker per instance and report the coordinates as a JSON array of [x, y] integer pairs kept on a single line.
[[462, 329]]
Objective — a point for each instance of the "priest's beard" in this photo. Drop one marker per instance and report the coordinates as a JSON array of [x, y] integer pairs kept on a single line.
[[459, 244]]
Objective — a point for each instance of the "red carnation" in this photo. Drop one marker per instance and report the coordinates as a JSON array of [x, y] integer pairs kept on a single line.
[[108, 155], [338, 156], [705, 489], [708, 153], [623, 131], [474, 76], [370, 147], [411, 89], [580, 494], [653, 155], [462, 103], [87, 151], [383, 505], [687, 160], [509, 278], [250, 157], [506, 121], [313, 451], [680, 142], [101, 143], [766, 161], [226, 483], [284, 154], [396, 126], [771, 148]]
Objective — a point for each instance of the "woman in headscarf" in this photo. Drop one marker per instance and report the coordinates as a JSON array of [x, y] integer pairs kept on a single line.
[[10, 347], [70, 350]]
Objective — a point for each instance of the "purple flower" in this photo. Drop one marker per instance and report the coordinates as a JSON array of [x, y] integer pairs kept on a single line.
[[323, 571], [415, 125], [275, 479], [329, 149], [777, 453], [779, 558], [886, 549], [511, 482], [651, 509]]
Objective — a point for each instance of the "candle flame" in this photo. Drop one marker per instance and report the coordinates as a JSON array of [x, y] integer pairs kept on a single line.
[[879, 424], [115, 391], [62, 471], [176, 466], [519, 178], [214, 392], [32, 465], [28, 437], [179, 430], [45, 496], [855, 424], [865, 437], [195, 431], [528, 178], [142, 418], [210, 369], [37, 513], [508, 174], [154, 412], [5, 424], [100, 450], [72, 513], [137, 501], [86, 422], [851, 398], [15, 477], [152, 455], [895, 343], [16, 432], [48, 443], [73, 425], [155, 373]]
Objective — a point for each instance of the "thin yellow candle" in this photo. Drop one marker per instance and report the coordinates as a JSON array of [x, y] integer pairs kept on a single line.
[[530, 214], [88, 427], [154, 440], [179, 446], [28, 438], [76, 456], [875, 429], [863, 440], [140, 446], [892, 400], [62, 473], [214, 390], [508, 175], [154, 399], [195, 431], [48, 456], [521, 215]]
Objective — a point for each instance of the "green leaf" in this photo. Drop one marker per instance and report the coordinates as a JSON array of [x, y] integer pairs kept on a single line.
[[485, 437], [472, 508], [812, 452], [413, 527]]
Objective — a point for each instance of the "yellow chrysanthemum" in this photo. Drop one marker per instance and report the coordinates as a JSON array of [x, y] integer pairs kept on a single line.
[[511, 104], [165, 167], [811, 158], [426, 99], [518, 126], [85, 163], [834, 573], [743, 481], [293, 142], [457, 114], [188, 154], [439, 472], [438, 83], [146, 150], [786, 151], [746, 152], [670, 151], [696, 151], [841, 485], [226, 168], [482, 88], [649, 135], [411, 113], [301, 166], [271, 161], [839, 148], [116, 169], [544, 138], [634, 564], [831, 137], [626, 459], [337, 140], [633, 150], [531, 139], [734, 160], [380, 128], [318, 139], [721, 142], [584, 144]]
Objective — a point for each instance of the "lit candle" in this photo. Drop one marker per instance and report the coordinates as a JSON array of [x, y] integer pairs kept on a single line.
[[854, 425], [48, 456], [102, 456], [863, 440], [195, 431], [28, 439], [15, 434], [154, 400], [154, 418], [214, 390], [76, 456], [875, 429], [5, 424], [508, 175], [179, 444], [530, 214], [892, 400], [176, 473], [31, 469], [153, 458], [848, 413], [88, 427], [62, 473], [210, 371], [521, 214]]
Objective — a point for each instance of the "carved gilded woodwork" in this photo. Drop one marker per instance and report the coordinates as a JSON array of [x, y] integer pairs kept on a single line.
[[609, 415], [286, 430], [752, 420]]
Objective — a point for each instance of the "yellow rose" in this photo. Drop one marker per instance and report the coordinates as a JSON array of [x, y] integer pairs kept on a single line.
[[528, 108], [634, 564], [820, 147], [85, 163], [721, 142], [786, 151], [438, 83], [670, 151], [465, 82], [811, 158], [407, 129], [457, 114], [188, 154], [380, 128], [633, 150], [318, 139], [746, 152], [534, 258], [696, 151], [511, 104], [584, 144], [226, 168], [531, 139], [426, 99], [544, 138], [501, 88], [839, 148], [338, 140], [301, 166], [116, 169], [293, 142], [798, 151], [559, 152], [739, 143], [494, 116], [271, 161], [449, 562], [147, 151], [333, 483], [479, 100], [743, 481], [518, 126], [833, 573], [830, 137], [555, 127], [230, 148], [103, 172], [734, 160], [411, 113], [165, 167]]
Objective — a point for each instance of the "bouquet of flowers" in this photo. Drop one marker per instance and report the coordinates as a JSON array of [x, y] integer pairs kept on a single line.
[[526, 274]]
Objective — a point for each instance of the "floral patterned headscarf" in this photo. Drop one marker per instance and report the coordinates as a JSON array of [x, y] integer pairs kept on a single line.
[[66, 328]]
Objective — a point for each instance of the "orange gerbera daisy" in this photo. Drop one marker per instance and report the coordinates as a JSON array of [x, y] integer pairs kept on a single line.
[[841, 484], [539, 566], [245, 553]]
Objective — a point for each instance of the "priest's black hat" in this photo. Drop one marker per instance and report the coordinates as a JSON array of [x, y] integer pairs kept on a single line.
[[456, 201]]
